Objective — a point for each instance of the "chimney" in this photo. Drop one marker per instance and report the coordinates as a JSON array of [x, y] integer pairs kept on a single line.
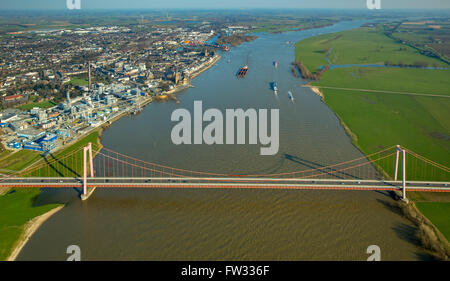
[[89, 70]]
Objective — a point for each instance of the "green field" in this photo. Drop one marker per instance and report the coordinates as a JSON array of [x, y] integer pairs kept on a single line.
[[418, 122], [407, 80], [411, 107], [19, 160], [438, 214], [289, 26], [5, 153], [79, 81], [83, 79], [365, 45], [44, 104], [16, 209], [407, 113]]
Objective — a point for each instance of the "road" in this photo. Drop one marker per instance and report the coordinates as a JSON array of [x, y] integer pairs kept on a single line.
[[381, 91], [230, 182]]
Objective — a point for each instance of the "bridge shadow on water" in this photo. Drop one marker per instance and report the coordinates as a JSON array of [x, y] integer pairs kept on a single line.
[[321, 168], [409, 233], [405, 231]]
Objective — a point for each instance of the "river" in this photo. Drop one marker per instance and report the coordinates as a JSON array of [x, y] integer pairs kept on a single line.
[[231, 224]]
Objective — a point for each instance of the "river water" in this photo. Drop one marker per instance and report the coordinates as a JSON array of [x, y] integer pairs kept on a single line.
[[231, 224]]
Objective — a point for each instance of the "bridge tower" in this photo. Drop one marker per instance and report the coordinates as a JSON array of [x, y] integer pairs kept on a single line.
[[87, 150], [403, 151]]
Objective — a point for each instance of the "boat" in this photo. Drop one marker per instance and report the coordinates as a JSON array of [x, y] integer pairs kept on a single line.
[[291, 97], [275, 88], [242, 72], [136, 110]]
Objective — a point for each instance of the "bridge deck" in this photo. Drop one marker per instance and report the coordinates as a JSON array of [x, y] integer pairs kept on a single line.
[[232, 182]]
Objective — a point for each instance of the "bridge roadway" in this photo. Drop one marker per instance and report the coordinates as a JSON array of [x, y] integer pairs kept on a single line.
[[228, 182]]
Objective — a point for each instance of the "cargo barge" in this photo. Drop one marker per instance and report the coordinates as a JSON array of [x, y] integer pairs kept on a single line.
[[242, 72]]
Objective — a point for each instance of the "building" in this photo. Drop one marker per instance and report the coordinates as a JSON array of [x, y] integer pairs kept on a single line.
[[30, 133], [7, 100], [48, 142], [177, 77], [32, 146]]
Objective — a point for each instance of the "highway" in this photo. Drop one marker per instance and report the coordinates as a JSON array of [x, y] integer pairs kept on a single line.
[[226, 182]]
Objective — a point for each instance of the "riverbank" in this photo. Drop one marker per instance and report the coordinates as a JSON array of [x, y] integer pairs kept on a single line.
[[206, 66], [170, 95], [169, 230], [316, 91], [352, 136], [19, 218], [17, 230], [429, 235], [235, 40], [386, 114], [29, 229]]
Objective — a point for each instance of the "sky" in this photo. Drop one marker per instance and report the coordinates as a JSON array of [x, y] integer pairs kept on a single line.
[[221, 4]]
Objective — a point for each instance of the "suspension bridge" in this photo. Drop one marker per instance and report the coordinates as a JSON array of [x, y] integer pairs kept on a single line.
[[392, 169]]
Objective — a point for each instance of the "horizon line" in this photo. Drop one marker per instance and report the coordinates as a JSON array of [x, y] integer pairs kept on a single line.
[[223, 8]]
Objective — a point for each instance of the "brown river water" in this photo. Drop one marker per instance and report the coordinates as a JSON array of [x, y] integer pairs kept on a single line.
[[231, 224]]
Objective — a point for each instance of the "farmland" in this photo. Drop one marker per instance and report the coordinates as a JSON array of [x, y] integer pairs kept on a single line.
[[384, 106]]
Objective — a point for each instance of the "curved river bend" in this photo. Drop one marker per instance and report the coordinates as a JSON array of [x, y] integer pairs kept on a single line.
[[231, 224]]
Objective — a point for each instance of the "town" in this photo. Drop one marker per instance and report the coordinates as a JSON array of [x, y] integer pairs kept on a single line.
[[59, 85]]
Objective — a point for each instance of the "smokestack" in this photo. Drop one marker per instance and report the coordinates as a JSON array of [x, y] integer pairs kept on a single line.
[[89, 70]]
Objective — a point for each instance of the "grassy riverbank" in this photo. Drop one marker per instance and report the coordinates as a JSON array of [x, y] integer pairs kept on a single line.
[[365, 45], [419, 122], [437, 213], [17, 209], [383, 107], [18, 212]]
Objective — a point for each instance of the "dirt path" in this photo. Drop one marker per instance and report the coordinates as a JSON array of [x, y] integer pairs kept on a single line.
[[377, 91]]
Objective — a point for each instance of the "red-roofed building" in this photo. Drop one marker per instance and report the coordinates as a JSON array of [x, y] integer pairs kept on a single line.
[[13, 99]]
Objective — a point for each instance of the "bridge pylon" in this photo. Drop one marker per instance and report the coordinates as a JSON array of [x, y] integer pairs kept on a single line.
[[87, 151], [403, 151]]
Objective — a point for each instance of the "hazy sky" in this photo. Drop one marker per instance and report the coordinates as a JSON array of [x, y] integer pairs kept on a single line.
[[211, 4]]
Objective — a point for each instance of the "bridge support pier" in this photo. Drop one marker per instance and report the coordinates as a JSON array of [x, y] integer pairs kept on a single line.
[[87, 149], [396, 161], [404, 177], [397, 158]]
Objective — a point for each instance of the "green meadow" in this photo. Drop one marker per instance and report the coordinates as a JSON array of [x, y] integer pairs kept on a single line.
[[414, 110], [79, 81], [420, 123], [406, 106], [438, 214], [365, 45], [44, 104], [17, 207], [19, 160]]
